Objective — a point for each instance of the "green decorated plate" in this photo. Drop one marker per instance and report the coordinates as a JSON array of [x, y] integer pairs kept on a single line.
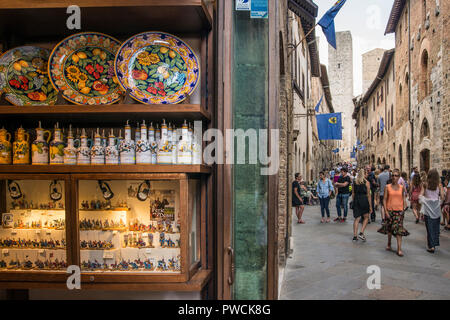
[[157, 67], [24, 79], [82, 67]]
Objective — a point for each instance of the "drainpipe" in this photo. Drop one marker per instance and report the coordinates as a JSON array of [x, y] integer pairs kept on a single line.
[[411, 120]]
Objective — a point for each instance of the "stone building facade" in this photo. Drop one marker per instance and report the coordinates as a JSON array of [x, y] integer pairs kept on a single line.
[[297, 67], [374, 114], [340, 72], [421, 68]]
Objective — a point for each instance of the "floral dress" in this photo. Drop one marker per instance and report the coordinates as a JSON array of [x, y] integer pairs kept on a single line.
[[394, 225]]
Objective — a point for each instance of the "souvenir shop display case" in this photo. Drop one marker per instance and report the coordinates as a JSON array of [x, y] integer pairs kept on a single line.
[[129, 224]]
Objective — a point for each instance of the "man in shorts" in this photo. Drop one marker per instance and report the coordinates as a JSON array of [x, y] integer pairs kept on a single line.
[[383, 179]]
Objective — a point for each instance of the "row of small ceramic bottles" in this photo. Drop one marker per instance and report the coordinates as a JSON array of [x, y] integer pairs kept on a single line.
[[160, 146]]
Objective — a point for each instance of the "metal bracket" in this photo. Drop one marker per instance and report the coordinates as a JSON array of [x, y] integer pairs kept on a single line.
[[232, 267]]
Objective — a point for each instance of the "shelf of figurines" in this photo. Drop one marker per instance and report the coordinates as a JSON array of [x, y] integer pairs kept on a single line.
[[149, 150]]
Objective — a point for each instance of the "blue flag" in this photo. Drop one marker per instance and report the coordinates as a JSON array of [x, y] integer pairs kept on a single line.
[[329, 126], [353, 155], [381, 124], [335, 150], [358, 143], [327, 22], [362, 147], [318, 104]]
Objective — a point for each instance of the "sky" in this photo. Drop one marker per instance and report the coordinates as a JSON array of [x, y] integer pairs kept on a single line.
[[366, 19]]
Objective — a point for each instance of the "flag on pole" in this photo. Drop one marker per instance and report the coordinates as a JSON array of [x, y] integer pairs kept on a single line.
[[318, 104], [327, 22], [335, 150], [329, 126], [381, 124]]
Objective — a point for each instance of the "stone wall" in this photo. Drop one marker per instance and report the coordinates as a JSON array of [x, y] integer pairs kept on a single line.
[[370, 64]]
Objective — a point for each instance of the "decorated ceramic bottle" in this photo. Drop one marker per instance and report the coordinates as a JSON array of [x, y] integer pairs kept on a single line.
[[137, 133], [152, 143], [126, 149], [184, 149], [98, 151], [84, 151], [143, 152], [21, 152], [5, 147], [70, 152], [57, 147], [39, 147], [164, 155], [157, 134], [111, 151], [119, 141], [197, 151], [174, 143]]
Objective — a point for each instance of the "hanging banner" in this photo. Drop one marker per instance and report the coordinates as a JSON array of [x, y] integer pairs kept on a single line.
[[260, 9], [243, 5]]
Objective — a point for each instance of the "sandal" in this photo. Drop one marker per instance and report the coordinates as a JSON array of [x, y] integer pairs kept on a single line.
[[400, 253], [301, 222], [388, 248], [328, 220], [322, 220], [430, 250]]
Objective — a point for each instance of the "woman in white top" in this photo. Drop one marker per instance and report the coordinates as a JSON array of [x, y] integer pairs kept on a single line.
[[431, 197]]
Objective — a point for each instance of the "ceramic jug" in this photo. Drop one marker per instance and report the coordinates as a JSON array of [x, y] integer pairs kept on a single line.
[[157, 134], [143, 152], [98, 151], [174, 143], [112, 151], [21, 151], [57, 147], [184, 146], [39, 147], [164, 155], [137, 133], [5, 147], [104, 139], [70, 152], [152, 143], [196, 144], [84, 151], [126, 149]]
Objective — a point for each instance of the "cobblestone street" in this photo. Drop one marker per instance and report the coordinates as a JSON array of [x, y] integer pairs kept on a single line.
[[326, 264]]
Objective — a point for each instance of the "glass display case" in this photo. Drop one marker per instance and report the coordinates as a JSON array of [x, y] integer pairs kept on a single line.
[[130, 225], [33, 225]]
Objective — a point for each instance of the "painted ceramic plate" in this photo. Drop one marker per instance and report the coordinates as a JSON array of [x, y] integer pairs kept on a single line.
[[82, 67], [24, 79], [157, 67]]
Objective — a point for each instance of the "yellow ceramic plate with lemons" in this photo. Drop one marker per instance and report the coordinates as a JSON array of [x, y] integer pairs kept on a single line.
[[24, 79], [82, 67]]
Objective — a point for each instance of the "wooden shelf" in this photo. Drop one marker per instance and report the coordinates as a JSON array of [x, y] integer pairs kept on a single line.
[[112, 17], [138, 168], [106, 116]]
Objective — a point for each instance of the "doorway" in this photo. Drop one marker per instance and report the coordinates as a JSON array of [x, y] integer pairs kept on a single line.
[[425, 160]]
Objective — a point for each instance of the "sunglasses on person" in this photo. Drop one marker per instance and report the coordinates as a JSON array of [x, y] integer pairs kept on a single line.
[[396, 175]]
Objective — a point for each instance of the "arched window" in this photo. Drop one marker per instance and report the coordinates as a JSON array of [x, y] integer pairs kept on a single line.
[[408, 156], [400, 157], [281, 55], [424, 130], [424, 87], [424, 10], [392, 116]]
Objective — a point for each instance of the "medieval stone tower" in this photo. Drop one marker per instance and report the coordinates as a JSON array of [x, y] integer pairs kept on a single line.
[[340, 73], [371, 63]]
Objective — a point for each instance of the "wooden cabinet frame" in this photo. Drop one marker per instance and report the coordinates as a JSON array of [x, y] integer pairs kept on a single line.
[[42, 24]]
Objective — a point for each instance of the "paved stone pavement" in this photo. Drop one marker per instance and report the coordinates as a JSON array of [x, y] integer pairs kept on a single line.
[[326, 264]]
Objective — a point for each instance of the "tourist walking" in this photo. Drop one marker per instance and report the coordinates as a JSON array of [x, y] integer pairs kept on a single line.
[[343, 187], [324, 190], [370, 171], [416, 190], [361, 204], [297, 200], [431, 196], [394, 202], [383, 178], [446, 205]]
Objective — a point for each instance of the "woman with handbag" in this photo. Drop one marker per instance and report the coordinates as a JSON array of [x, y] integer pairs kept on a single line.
[[394, 201], [414, 193], [431, 197], [362, 207]]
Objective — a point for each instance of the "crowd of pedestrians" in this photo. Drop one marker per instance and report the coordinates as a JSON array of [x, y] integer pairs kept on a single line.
[[389, 191]]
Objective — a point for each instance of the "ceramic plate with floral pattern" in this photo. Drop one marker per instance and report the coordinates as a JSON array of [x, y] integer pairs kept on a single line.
[[157, 67], [82, 67], [24, 79]]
